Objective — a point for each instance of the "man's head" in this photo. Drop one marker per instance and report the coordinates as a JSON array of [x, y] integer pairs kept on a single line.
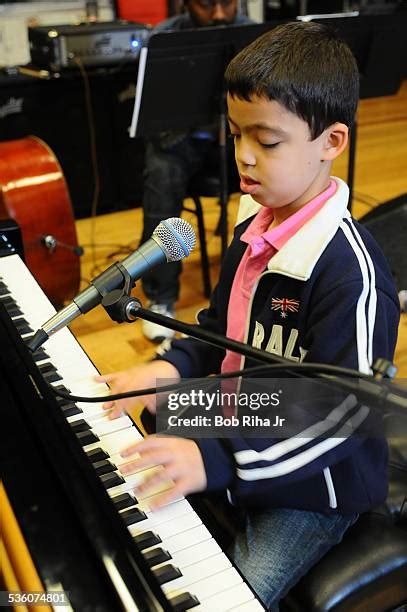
[[292, 94], [211, 12]]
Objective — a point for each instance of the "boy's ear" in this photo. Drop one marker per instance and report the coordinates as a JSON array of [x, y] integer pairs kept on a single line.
[[335, 141]]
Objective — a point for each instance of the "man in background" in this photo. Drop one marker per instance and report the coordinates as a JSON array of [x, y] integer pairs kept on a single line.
[[171, 159]]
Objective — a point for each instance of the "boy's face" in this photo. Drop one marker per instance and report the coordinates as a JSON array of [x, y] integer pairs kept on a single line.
[[278, 163]]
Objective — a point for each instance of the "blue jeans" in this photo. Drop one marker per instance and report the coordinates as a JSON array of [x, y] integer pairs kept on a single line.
[[167, 171], [279, 546]]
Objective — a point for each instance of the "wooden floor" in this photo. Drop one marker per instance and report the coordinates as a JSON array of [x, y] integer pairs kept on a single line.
[[380, 175]]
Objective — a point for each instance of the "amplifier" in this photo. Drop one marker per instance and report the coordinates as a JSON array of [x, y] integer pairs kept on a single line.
[[91, 44]]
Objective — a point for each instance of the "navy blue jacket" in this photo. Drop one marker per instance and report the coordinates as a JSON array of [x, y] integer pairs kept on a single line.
[[347, 314]]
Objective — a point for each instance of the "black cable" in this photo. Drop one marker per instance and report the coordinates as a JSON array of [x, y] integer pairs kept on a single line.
[[314, 367], [153, 390], [93, 149]]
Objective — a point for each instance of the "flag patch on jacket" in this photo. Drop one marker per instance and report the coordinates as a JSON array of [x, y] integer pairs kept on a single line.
[[285, 305]]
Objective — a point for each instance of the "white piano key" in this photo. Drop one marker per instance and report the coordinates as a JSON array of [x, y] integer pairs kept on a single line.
[[170, 512], [109, 426], [115, 442], [230, 599], [197, 572], [208, 587], [97, 414], [134, 480], [250, 606], [168, 528], [191, 555], [187, 538]]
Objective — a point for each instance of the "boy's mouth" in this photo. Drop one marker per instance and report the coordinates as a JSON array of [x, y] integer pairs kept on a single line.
[[247, 184]]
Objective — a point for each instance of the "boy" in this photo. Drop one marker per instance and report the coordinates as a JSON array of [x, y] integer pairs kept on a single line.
[[292, 96]]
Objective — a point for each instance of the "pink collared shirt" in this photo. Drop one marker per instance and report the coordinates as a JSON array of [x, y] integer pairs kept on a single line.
[[262, 245]]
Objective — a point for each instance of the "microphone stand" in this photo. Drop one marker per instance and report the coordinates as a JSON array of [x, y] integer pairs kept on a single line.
[[120, 306]]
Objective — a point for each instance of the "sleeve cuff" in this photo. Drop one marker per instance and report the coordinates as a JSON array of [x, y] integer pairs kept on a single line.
[[219, 466]]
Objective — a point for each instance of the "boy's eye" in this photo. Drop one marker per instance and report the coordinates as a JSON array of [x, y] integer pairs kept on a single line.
[[267, 145]]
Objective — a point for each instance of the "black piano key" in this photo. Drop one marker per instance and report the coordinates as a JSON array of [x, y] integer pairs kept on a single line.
[[4, 290], [49, 372], [13, 310], [183, 601], [80, 425], [20, 322], [7, 299], [63, 389], [146, 539], [111, 480], [22, 326], [70, 409], [104, 467], [166, 573], [39, 355], [44, 368], [124, 500], [97, 454], [87, 437], [51, 377], [156, 556], [132, 515]]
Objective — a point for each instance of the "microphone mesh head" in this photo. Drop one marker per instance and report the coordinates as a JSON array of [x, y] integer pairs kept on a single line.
[[176, 237]]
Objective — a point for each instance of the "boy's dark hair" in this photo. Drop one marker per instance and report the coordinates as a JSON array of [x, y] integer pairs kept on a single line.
[[305, 67]]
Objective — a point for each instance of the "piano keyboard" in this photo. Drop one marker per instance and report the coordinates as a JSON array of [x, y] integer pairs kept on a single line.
[[184, 557]]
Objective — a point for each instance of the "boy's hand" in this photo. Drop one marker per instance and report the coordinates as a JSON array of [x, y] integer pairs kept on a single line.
[[181, 460], [139, 377]]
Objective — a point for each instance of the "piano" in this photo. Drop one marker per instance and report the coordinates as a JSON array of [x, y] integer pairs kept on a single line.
[[85, 531]]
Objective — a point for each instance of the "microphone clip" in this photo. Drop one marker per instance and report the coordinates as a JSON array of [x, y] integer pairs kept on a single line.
[[119, 304]]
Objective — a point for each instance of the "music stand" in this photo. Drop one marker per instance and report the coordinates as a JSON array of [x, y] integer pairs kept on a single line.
[[180, 87]]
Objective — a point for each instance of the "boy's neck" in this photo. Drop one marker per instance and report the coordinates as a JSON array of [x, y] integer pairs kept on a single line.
[[283, 213]]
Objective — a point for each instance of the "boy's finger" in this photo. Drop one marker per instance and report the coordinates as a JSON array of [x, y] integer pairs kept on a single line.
[[116, 411], [149, 443], [104, 378], [150, 459], [166, 498], [150, 482]]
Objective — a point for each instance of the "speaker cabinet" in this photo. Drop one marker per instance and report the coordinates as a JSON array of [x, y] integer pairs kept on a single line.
[[55, 110], [388, 224]]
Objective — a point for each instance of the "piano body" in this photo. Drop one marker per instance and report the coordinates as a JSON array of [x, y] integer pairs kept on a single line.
[[85, 532]]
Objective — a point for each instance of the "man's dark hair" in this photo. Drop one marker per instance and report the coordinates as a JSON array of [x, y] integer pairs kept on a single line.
[[305, 67]]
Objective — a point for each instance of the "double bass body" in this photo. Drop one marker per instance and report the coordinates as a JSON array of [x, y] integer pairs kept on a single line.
[[34, 193]]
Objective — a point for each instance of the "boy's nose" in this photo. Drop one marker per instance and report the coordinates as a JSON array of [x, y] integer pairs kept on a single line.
[[243, 154]]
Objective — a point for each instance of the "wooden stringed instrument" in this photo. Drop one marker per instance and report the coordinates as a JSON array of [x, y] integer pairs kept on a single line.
[[34, 193]]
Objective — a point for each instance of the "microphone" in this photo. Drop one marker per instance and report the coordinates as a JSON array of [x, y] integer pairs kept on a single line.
[[172, 240]]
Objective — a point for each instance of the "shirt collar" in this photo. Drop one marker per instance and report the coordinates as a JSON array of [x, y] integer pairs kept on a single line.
[[258, 233]]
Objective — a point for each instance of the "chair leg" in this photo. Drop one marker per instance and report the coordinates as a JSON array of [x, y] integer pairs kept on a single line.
[[222, 229], [204, 252]]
